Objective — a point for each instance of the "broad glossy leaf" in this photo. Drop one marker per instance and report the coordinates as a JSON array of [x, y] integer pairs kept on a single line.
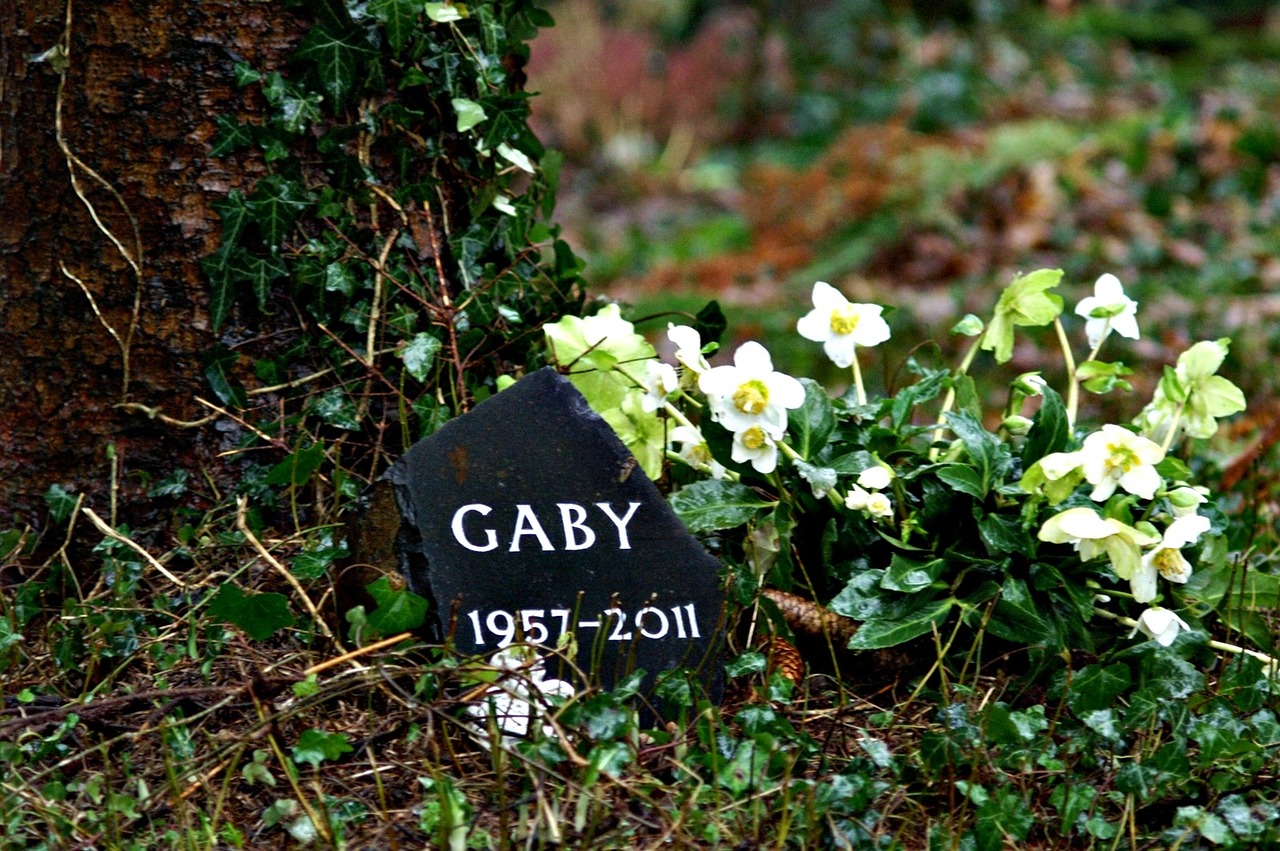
[[1050, 432], [909, 576], [1016, 617], [811, 425], [714, 504], [963, 478], [893, 625]]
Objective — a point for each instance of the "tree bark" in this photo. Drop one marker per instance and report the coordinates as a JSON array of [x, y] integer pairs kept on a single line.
[[103, 307]]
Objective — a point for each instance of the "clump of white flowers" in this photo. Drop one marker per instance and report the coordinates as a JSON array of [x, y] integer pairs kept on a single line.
[[519, 701]]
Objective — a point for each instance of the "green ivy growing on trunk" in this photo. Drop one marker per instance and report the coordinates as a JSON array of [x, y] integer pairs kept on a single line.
[[401, 228]]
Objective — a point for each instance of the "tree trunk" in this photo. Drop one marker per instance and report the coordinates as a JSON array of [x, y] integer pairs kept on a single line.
[[103, 307]]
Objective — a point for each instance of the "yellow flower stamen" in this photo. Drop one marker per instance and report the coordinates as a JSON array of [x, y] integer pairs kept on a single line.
[[751, 397], [1168, 562], [754, 438], [844, 319]]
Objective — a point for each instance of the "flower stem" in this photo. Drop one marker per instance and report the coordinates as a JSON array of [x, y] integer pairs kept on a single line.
[[857, 379], [1073, 386], [1173, 426], [1271, 662], [950, 399]]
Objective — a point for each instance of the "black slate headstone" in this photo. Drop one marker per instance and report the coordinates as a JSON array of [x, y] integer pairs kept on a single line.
[[534, 520]]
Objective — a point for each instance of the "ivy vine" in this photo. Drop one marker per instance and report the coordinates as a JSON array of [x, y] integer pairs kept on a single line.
[[404, 220]]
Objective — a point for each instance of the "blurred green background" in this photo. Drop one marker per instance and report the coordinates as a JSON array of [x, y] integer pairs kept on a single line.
[[919, 155]]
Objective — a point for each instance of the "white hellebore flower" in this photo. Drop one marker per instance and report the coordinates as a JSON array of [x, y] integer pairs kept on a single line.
[[1166, 558], [1161, 624], [841, 325], [1108, 309], [875, 478], [694, 450], [1114, 456], [755, 445], [750, 394], [879, 506], [875, 504], [516, 698], [1091, 533], [688, 347], [660, 382]]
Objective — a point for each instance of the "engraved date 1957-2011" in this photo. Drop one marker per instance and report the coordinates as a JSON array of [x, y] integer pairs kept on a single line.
[[536, 625]]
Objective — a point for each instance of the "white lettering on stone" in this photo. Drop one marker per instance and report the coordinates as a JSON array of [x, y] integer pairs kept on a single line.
[[491, 537], [572, 516], [620, 522], [527, 524]]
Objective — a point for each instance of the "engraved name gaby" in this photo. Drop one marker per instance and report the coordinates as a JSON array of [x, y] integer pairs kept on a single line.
[[528, 520]]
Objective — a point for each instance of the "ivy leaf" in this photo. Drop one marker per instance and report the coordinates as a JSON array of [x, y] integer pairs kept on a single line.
[[217, 371], [216, 268], [469, 113], [337, 57], [232, 135], [1095, 687], [399, 18], [297, 468], [275, 205], [61, 502], [399, 609], [315, 746], [895, 624], [259, 615], [420, 354], [714, 504], [234, 214], [259, 273]]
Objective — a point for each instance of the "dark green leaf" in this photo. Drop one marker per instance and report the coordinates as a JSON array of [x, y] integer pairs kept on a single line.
[[1003, 534], [811, 425], [216, 268], [1095, 687], [853, 463], [316, 746], [862, 598], [259, 272], [964, 479], [928, 387], [399, 18], [338, 57], [714, 504], [710, 323], [894, 625], [234, 213], [259, 615], [910, 576], [297, 468], [217, 371], [988, 454], [275, 205], [232, 135], [399, 609], [61, 502], [1016, 618], [1050, 430]]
